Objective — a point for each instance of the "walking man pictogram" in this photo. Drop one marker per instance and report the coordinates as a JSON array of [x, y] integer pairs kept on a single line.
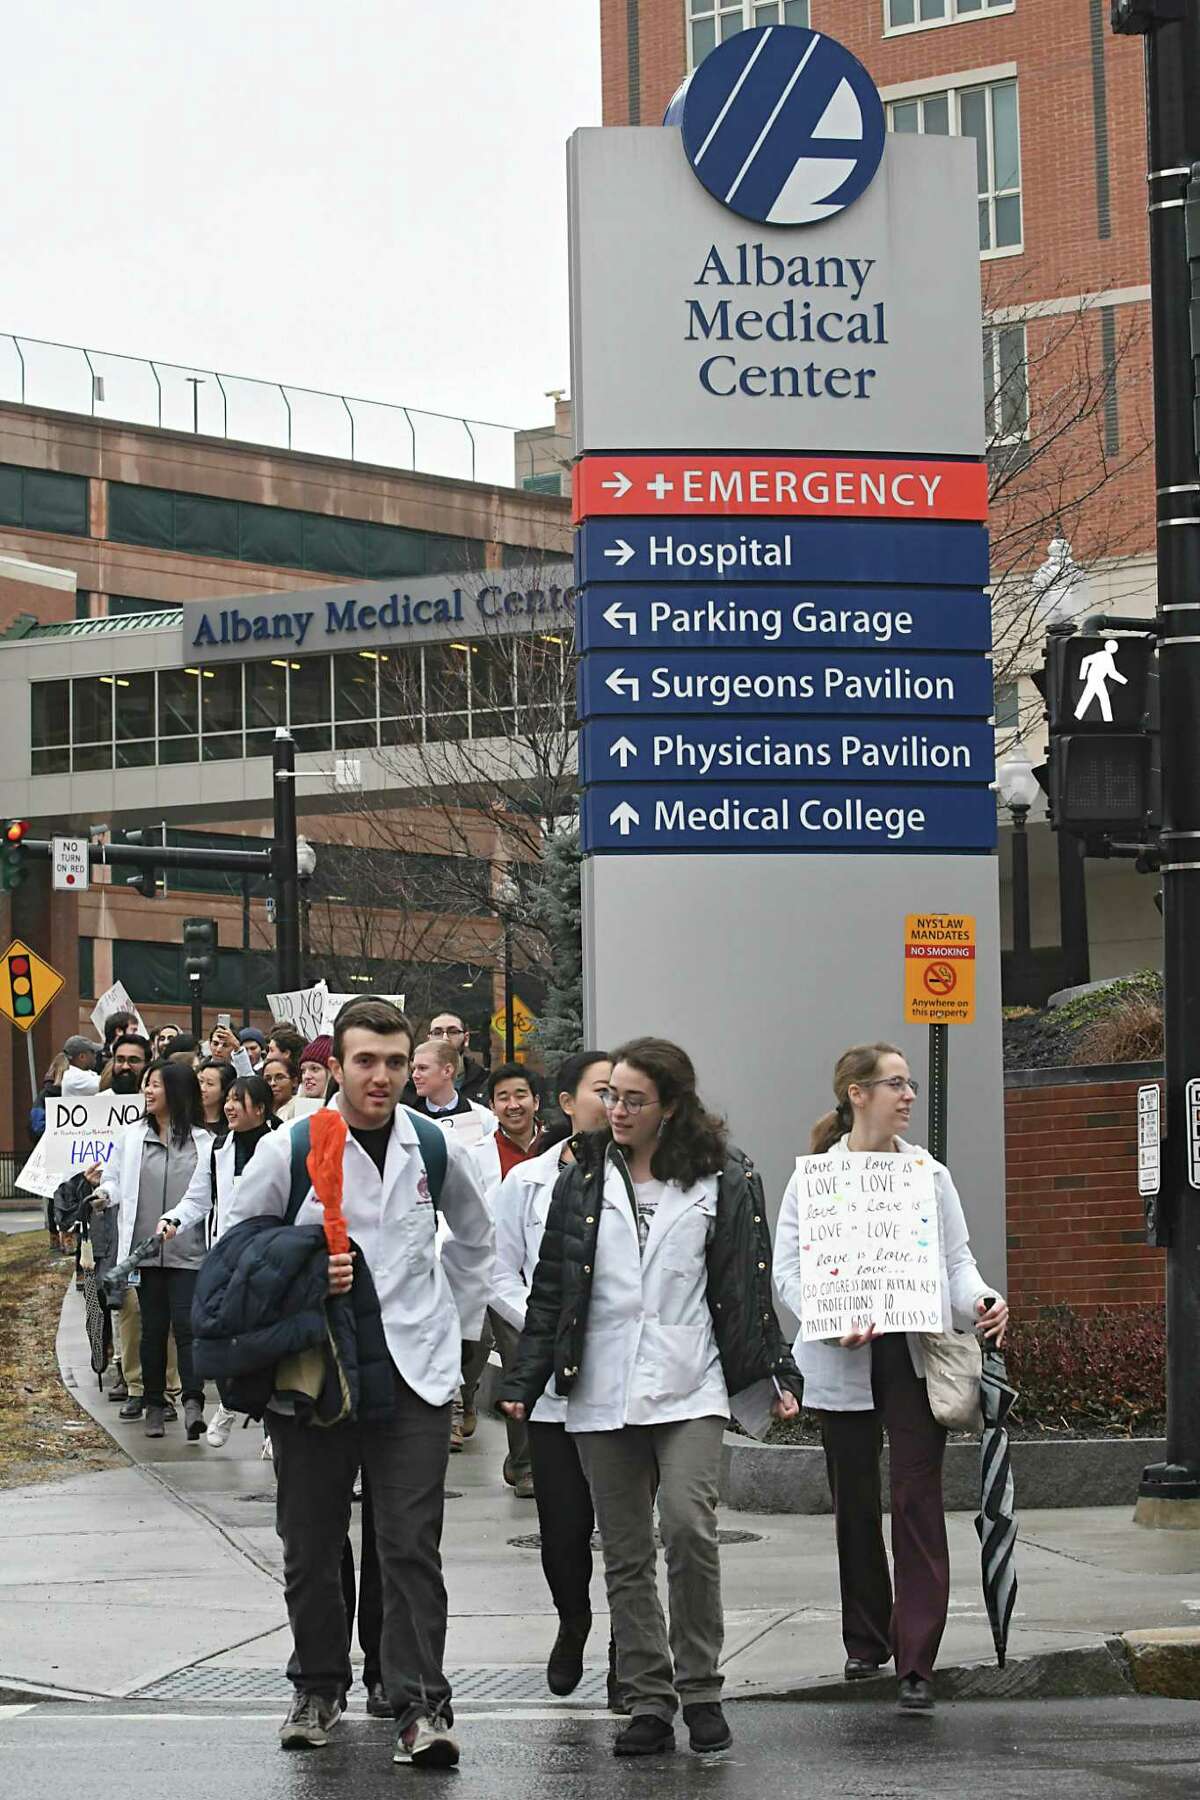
[[1096, 671]]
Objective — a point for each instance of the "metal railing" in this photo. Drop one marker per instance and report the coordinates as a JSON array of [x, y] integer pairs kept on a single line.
[[108, 384]]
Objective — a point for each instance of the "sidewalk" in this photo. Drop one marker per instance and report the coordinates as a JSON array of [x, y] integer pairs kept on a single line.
[[124, 1582]]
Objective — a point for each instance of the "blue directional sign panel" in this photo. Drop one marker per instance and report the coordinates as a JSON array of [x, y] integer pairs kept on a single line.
[[783, 618], [759, 817], [821, 551], [784, 681], [741, 749]]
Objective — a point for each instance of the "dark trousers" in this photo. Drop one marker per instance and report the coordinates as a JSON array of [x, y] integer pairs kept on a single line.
[[364, 1596], [165, 1301], [404, 1461], [507, 1340], [565, 1518], [874, 1626]]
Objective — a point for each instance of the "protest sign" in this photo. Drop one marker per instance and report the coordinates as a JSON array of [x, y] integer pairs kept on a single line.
[[335, 1002], [868, 1243], [116, 999], [304, 1008], [82, 1129], [467, 1129], [33, 1178]]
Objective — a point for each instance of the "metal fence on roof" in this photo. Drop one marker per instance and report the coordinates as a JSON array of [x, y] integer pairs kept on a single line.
[[140, 390]]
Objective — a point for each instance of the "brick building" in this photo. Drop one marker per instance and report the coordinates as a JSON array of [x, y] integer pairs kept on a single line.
[[1055, 104]]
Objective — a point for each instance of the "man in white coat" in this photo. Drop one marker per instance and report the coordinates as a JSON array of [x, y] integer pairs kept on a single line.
[[428, 1305]]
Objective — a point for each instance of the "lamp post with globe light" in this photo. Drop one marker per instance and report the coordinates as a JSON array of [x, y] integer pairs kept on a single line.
[[1019, 789], [306, 868]]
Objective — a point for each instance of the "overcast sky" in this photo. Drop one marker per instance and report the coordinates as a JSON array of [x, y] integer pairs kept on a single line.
[[365, 196]]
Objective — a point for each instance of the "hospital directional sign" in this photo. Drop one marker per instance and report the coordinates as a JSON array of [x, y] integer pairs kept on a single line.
[[780, 486], [919, 552], [783, 618], [672, 750], [741, 817], [784, 681]]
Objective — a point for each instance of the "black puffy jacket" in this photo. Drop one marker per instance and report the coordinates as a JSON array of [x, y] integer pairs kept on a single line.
[[749, 1339]]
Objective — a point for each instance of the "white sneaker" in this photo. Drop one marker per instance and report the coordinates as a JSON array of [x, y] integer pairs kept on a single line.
[[223, 1422], [427, 1744]]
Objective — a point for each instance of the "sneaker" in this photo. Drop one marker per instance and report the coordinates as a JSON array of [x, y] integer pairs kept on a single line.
[[155, 1420], [223, 1422], [427, 1744], [915, 1694], [648, 1735], [564, 1669], [378, 1704], [193, 1420], [470, 1419], [708, 1728], [169, 1413], [133, 1408], [310, 1720]]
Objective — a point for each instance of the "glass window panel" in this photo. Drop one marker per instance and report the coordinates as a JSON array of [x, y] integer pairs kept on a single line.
[[906, 116], [492, 675], [971, 6], [704, 36], [50, 762], [54, 502], [138, 755], [441, 727], [985, 226], [313, 737], [446, 678], [357, 736], [10, 496], [972, 122], [309, 691], [393, 552], [1008, 221], [989, 380], [51, 708], [206, 527], [354, 684], [1004, 136], [178, 702], [154, 972], [266, 695], [85, 757], [455, 555], [768, 14], [932, 9], [540, 674], [271, 534], [936, 120], [335, 545], [260, 743], [1006, 703], [400, 690], [1014, 387], [135, 705], [221, 698], [178, 750], [400, 731], [901, 12], [795, 12], [139, 515], [92, 709]]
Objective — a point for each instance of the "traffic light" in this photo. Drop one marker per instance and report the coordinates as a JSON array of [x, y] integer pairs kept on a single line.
[[144, 881], [12, 862], [1133, 18], [1101, 694], [200, 949]]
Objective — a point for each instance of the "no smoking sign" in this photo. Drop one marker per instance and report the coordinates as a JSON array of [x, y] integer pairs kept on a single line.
[[939, 969]]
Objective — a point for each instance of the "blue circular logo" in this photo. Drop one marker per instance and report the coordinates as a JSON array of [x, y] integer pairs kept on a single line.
[[782, 125]]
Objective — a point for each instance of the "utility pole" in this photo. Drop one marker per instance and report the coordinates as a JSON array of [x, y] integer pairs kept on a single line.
[[1170, 1491], [283, 862]]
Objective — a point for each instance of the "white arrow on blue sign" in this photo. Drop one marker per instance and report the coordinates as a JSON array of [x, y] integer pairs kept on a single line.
[[784, 681], [742, 816], [833, 552]]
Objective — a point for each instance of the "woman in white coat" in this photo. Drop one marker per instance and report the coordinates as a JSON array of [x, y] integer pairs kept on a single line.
[[862, 1383], [160, 1178], [249, 1117]]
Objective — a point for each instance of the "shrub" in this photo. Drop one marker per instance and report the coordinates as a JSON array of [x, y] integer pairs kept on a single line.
[[1131, 1032], [1104, 1374]]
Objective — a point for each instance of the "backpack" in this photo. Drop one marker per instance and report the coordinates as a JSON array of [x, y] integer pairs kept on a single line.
[[431, 1142]]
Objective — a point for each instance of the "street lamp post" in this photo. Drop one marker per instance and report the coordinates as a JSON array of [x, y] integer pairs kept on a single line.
[[284, 862], [306, 868], [1018, 787], [508, 893]]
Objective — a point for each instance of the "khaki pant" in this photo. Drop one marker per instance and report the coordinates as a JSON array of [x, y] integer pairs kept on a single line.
[[130, 1324], [625, 1468]]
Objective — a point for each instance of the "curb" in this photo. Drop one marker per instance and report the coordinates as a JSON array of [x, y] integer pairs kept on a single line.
[[15, 1692], [1085, 1672], [1166, 1662]]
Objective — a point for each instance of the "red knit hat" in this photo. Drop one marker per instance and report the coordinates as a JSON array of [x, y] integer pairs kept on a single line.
[[319, 1051]]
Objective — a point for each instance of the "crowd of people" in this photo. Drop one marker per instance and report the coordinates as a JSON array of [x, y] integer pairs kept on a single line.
[[605, 1237]]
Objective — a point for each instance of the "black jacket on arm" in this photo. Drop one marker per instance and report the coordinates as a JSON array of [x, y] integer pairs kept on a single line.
[[749, 1339]]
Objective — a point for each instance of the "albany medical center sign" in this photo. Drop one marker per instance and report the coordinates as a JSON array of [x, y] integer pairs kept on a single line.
[[780, 494]]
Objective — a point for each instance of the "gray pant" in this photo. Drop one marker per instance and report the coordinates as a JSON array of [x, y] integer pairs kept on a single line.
[[405, 1463], [624, 1469]]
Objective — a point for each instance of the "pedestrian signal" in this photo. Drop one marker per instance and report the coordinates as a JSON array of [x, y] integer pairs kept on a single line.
[[1101, 773], [12, 859]]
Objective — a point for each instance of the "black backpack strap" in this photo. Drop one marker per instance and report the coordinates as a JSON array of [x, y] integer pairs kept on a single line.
[[434, 1154], [301, 1135]]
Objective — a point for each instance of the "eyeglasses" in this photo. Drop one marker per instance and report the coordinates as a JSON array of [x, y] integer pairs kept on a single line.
[[897, 1083], [445, 1031], [633, 1103]]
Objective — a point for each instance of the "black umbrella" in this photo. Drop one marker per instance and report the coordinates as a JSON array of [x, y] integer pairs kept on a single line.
[[996, 1521], [114, 1279]]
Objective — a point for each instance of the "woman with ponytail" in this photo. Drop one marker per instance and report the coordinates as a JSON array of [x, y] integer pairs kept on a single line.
[[869, 1381], [651, 1306]]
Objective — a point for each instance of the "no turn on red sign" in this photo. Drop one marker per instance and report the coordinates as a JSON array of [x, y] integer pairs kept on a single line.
[[939, 969]]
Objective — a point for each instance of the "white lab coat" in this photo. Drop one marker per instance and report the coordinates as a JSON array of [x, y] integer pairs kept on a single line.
[[487, 1161], [429, 1304], [650, 1352], [519, 1209], [79, 1081], [225, 1181], [838, 1380], [121, 1180]]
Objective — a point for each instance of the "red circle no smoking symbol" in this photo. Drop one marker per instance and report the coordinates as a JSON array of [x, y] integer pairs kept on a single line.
[[940, 977]]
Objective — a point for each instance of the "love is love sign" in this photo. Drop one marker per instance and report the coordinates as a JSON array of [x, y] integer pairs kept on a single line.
[[868, 1243]]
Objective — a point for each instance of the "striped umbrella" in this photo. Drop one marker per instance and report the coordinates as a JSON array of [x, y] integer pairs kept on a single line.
[[996, 1521]]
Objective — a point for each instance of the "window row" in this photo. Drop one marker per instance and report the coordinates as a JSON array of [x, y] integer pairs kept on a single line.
[[913, 15], [355, 700], [43, 500], [711, 22], [281, 536], [989, 115]]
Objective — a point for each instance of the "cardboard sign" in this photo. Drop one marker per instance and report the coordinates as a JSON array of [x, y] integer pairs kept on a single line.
[[33, 1178], [114, 1000], [868, 1243], [335, 1002], [82, 1129], [465, 1128], [939, 969]]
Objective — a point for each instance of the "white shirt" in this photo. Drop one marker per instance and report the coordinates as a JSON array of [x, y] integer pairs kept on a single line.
[[428, 1304], [79, 1081], [650, 1352], [837, 1379], [520, 1207]]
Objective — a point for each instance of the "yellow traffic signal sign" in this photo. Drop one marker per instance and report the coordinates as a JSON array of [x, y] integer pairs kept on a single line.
[[27, 986]]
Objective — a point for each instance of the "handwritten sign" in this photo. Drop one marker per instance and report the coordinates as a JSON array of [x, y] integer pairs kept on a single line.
[[33, 1178], [114, 1000], [82, 1129], [335, 1002], [304, 1008], [466, 1128], [868, 1243]]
